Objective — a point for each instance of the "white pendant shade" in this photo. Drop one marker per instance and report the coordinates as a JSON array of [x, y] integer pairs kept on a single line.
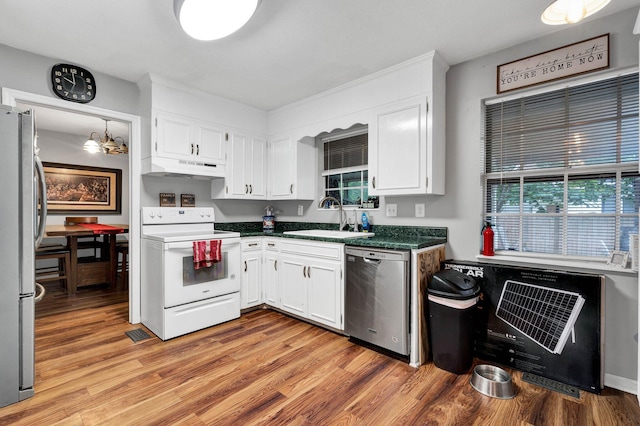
[[571, 11], [92, 146], [213, 19]]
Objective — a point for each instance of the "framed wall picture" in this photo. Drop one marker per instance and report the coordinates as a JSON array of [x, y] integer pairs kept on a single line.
[[82, 189], [187, 200], [167, 199], [618, 258]]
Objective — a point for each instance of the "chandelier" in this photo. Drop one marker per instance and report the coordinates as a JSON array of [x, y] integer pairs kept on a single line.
[[212, 20], [107, 144], [571, 11]]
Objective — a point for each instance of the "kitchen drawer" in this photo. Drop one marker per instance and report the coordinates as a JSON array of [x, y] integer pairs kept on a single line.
[[313, 249], [251, 244], [272, 244]]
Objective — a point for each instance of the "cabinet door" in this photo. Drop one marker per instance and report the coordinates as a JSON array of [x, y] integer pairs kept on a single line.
[[271, 278], [282, 162], [174, 137], [293, 285], [256, 165], [236, 181], [398, 149], [325, 293], [251, 279], [209, 144]]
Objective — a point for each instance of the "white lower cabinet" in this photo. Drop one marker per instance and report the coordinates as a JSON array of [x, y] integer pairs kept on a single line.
[[312, 281], [271, 277], [324, 295], [301, 277], [251, 288]]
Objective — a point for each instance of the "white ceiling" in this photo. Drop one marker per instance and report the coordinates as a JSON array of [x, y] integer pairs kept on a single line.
[[289, 50]]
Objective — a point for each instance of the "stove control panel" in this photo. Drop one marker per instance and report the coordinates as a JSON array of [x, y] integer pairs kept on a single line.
[[171, 215]]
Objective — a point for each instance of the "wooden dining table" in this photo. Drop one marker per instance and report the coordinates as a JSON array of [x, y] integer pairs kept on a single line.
[[72, 233]]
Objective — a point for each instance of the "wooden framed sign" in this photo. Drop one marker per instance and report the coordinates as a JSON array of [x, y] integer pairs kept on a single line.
[[578, 58], [187, 200], [167, 199]]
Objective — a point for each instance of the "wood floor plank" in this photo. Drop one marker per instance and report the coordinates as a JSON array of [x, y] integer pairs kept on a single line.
[[264, 368]]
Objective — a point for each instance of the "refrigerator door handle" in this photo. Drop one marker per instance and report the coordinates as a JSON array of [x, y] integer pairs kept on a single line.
[[41, 218]]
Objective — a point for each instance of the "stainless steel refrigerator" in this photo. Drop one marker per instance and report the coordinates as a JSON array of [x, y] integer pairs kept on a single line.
[[22, 220]]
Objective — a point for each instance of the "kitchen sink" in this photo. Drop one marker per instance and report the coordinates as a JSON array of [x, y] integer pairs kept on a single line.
[[327, 233]]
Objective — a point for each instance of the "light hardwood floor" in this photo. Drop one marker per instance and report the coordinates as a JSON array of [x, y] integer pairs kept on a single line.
[[265, 368]]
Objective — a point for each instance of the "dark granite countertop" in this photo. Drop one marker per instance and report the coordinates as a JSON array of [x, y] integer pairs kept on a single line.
[[390, 237]]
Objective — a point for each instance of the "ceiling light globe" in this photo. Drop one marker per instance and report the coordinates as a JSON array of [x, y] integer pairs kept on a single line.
[[571, 11], [213, 19]]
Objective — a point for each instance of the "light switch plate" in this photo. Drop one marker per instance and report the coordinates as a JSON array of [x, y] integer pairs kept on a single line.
[[392, 210], [419, 210], [300, 210]]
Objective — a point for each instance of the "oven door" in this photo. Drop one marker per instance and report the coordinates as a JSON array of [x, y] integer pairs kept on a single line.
[[184, 284]]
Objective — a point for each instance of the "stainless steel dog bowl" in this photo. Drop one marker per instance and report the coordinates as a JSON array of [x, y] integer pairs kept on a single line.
[[492, 381]]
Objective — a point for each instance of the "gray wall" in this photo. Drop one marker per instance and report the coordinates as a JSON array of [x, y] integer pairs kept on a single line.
[[31, 73]]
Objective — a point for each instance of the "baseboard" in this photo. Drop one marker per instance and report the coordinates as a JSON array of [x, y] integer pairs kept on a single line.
[[621, 383]]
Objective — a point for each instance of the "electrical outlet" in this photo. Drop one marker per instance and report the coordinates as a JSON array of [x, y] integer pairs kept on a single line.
[[300, 210], [392, 210], [419, 210]]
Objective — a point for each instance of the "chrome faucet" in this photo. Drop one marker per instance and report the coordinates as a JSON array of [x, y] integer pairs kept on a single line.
[[342, 221]]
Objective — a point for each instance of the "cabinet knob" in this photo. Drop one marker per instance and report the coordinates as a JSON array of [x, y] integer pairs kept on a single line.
[[246, 189], [275, 265], [250, 189], [291, 189], [373, 182], [245, 266], [191, 149], [304, 271], [198, 149]]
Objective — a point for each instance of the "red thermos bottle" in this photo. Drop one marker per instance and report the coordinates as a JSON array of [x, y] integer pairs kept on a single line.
[[487, 240]]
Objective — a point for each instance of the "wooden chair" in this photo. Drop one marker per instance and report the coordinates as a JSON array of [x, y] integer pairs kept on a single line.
[[59, 272], [89, 242], [122, 248]]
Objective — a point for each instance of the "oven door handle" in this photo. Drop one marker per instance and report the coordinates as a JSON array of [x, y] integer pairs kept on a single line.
[[227, 243]]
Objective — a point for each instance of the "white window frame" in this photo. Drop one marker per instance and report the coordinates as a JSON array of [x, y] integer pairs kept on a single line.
[[360, 130], [520, 257]]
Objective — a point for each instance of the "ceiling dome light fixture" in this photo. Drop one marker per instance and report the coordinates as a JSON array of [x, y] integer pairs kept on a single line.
[[562, 12], [213, 19]]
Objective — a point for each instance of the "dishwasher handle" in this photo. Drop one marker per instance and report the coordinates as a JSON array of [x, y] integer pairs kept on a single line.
[[374, 261]]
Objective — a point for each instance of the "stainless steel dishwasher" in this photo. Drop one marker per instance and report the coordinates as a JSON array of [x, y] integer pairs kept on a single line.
[[377, 297]]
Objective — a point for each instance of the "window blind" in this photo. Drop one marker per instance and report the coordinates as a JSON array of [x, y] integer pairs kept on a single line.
[[591, 124], [561, 169], [347, 152]]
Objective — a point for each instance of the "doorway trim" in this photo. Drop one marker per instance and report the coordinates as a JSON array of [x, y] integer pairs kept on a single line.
[[12, 97]]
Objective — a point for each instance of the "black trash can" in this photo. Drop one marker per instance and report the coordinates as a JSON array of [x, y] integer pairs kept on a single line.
[[452, 299]]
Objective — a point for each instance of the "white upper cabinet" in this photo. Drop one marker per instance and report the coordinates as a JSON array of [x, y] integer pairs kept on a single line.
[[404, 108], [292, 168], [187, 139], [400, 159], [246, 176]]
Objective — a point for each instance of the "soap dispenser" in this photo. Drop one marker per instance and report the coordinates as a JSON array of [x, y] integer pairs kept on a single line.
[[365, 222]]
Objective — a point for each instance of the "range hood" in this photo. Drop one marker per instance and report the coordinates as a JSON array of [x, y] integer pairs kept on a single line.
[[155, 166]]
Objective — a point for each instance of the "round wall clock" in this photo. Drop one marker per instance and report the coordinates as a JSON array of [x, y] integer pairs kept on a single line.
[[73, 83]]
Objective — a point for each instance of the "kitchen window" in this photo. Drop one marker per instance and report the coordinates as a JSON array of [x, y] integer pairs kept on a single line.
[[345, 170], [561, 170]]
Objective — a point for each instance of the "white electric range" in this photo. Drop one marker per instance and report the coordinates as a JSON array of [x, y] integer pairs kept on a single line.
[[180, 296]]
